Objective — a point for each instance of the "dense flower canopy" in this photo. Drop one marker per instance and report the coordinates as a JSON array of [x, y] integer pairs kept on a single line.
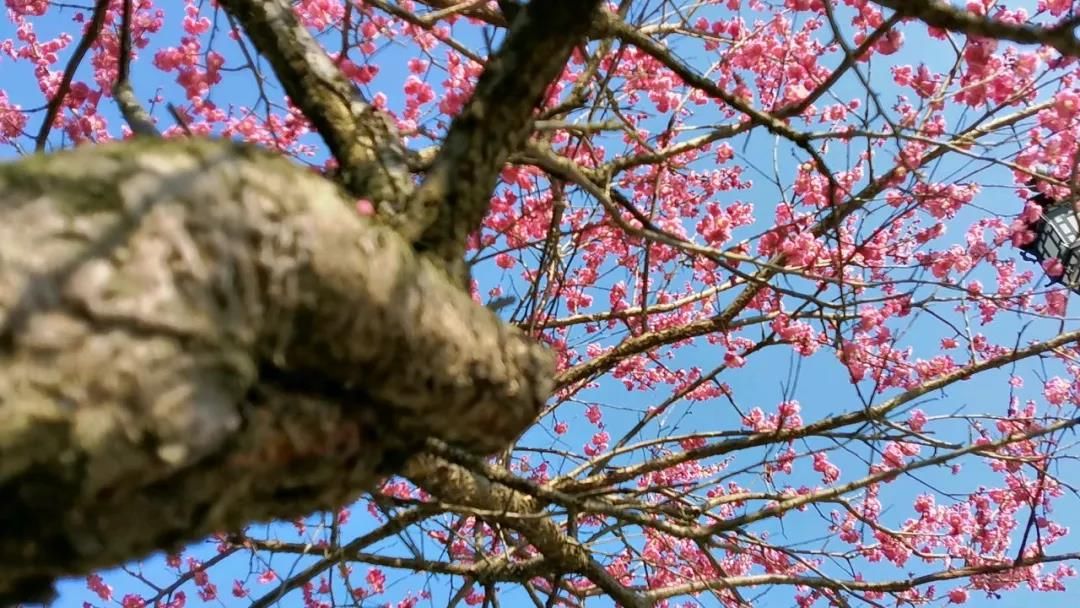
[[775, 246]]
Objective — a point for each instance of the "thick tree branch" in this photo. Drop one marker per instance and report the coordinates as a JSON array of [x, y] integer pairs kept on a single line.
[[198, 334], [495, 123], [364, 140], [942, 15]]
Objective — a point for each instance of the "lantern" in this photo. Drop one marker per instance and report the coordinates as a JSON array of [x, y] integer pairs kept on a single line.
[[1057, 236]]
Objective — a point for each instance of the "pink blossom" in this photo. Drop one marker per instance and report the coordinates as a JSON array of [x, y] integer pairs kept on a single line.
[[1057, 390], [98, 586], [376, 580], [593, 414], [958, 595]]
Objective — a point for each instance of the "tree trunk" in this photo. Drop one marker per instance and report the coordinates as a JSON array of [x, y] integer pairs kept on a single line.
[[199, 334]]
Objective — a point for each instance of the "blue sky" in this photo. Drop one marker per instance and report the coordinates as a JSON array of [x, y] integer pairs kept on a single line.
[[817, 382]]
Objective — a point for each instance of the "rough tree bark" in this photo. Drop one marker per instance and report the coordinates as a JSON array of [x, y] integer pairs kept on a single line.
[[195, 335]]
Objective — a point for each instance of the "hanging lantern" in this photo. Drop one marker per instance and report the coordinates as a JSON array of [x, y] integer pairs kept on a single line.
[[1057, 236]]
